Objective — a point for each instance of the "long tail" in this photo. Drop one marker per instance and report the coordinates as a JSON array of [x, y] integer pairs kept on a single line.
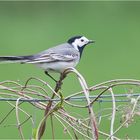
[[14, 59]]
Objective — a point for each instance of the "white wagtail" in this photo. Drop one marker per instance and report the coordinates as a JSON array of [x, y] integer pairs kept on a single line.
[[55, 59]]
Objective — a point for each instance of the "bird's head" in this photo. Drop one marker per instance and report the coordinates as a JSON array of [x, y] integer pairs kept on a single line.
[[79, 42]]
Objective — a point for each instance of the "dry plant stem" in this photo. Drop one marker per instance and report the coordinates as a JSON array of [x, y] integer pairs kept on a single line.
[[100, 94], [21, 110], [107, 135], [86, 92], [23, 93], [57, 88], [132, 114], [8, 114], [85, 89], [36, 87], [113, 85], [17, 116], [116, 81], [61, 118], [73, 105], [29, 116], [18, 122], [66, 115], [113, 114], [135, 104], [42, 127], [46, 84], [15, 89], [102, 86], [65, 128], [11, 82], [39, 105], [25, 120]]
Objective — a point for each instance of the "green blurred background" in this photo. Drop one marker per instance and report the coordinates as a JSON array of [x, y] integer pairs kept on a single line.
[[30, 27]]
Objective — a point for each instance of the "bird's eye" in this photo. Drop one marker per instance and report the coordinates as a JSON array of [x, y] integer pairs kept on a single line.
[[82, 40]]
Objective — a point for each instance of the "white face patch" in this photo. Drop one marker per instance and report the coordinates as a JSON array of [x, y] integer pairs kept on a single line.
[[80, 42]]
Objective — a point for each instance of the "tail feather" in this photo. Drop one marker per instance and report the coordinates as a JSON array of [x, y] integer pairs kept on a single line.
[[13, 59]]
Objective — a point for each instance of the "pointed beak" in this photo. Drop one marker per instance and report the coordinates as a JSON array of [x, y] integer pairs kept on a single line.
[[91, 41]]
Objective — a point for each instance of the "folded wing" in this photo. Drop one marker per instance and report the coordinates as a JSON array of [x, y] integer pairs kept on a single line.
[[53, 57]]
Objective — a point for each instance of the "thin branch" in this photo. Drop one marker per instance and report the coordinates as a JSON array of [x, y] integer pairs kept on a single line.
[[40, 98], [91, 113], [113, 114], [18, 122], [65, 128]]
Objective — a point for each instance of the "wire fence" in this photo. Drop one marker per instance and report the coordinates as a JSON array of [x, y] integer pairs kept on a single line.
[[103, 98], [120, 112]]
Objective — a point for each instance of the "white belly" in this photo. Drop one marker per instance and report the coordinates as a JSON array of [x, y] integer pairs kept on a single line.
[[56, 66]]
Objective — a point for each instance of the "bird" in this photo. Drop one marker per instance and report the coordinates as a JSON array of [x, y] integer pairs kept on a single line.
[[55, 59]]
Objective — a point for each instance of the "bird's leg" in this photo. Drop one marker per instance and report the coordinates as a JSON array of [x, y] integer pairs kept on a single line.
[[59, 82], [50, 76]]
